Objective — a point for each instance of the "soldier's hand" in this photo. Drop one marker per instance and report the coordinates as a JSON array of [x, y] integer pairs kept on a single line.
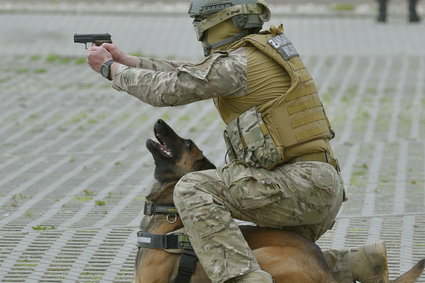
[[96, 56], [120, 56]]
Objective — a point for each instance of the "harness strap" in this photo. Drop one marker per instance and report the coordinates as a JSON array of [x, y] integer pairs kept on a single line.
[[163, 242], [176, 242], [208, 47], [151, 209], [187, 266], [188, 258]]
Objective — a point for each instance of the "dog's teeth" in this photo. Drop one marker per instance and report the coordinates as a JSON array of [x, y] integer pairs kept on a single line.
[[164, 148]]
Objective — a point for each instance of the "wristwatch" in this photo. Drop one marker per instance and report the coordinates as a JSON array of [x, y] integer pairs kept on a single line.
[[105, 70]]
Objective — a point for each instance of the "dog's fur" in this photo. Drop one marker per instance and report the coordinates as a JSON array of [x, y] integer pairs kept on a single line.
[[288, 257]]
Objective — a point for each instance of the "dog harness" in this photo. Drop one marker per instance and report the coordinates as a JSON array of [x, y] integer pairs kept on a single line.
[[173, 242]]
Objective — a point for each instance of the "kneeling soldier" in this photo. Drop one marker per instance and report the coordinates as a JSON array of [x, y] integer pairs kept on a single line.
[[282, 171]]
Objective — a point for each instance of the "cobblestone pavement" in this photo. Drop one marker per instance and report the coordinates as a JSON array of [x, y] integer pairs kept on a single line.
[[74, 169]]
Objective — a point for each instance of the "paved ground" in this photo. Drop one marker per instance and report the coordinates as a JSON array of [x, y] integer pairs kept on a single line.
[[320, 8], [74, 169]]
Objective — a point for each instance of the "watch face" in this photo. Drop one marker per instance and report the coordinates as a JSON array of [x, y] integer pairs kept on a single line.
[[104, 70]]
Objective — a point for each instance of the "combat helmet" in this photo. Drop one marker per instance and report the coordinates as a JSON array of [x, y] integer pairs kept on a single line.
[[247, 15]]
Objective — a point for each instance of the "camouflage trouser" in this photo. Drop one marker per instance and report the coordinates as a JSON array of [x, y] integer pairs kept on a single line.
[[303, 197]]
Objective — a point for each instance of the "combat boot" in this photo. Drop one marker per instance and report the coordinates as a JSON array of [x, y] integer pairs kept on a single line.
[[382, 11], [413, 15], [369, 263], [258, 276]]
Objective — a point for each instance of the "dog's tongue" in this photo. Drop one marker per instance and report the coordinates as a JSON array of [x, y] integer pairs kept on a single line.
[[163, 147]]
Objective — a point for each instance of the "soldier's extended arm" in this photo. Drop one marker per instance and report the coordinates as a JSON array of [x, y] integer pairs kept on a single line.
[[161, 65], [141, 62], [220, 75]]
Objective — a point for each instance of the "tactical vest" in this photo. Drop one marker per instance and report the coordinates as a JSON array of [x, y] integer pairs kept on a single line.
[[261, 135]]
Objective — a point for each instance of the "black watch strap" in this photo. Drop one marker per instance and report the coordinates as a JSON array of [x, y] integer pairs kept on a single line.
[[108, 66]]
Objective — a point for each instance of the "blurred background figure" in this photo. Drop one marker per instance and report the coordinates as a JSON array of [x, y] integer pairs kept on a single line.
[[413, 15]]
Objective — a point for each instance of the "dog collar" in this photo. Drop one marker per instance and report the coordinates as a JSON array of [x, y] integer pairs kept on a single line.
[[151, 209]]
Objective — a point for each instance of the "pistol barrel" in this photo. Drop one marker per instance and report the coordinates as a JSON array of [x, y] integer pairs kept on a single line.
[[95, 38]]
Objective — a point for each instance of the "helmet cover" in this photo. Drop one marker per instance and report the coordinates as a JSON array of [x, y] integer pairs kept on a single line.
[[246, 14]]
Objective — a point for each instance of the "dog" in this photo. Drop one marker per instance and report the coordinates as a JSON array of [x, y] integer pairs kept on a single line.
[[288, 257]]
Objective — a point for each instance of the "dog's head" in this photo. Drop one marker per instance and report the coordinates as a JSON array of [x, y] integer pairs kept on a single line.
[[174, 156]]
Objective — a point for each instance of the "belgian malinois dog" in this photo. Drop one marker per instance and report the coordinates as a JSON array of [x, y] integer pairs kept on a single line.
[[288, 257]]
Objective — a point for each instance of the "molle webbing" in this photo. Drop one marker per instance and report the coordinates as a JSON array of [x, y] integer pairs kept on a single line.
[[297, 115], [263, 131], [299, 103]]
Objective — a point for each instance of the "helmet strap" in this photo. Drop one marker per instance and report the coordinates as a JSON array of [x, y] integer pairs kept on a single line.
[[208, 47]]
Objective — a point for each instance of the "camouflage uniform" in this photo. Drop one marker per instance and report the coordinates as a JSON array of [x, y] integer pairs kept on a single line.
[[303, 197], [221, 74]]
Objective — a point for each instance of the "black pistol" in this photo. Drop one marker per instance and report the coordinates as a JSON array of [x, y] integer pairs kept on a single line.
[[95, 38]]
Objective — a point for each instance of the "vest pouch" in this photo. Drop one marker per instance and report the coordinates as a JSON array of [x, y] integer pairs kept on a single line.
[[250, 140]]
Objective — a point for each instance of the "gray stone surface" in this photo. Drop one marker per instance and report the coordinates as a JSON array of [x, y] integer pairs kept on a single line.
[[74, 169], [287, 7]]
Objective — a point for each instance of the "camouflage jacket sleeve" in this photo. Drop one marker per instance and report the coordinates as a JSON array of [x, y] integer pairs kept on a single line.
[[221, 74], [159, 64]]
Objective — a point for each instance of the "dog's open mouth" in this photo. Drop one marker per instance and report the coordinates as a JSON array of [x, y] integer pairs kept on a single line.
[[162, 146]]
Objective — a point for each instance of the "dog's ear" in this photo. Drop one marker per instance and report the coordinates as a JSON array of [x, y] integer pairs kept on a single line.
[[161, 193]]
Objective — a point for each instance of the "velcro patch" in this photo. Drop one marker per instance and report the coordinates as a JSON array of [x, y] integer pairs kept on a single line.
[[144, 240], [284, 46]]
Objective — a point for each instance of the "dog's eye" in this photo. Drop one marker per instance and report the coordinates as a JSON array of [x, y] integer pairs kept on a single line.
[[187, 143]]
